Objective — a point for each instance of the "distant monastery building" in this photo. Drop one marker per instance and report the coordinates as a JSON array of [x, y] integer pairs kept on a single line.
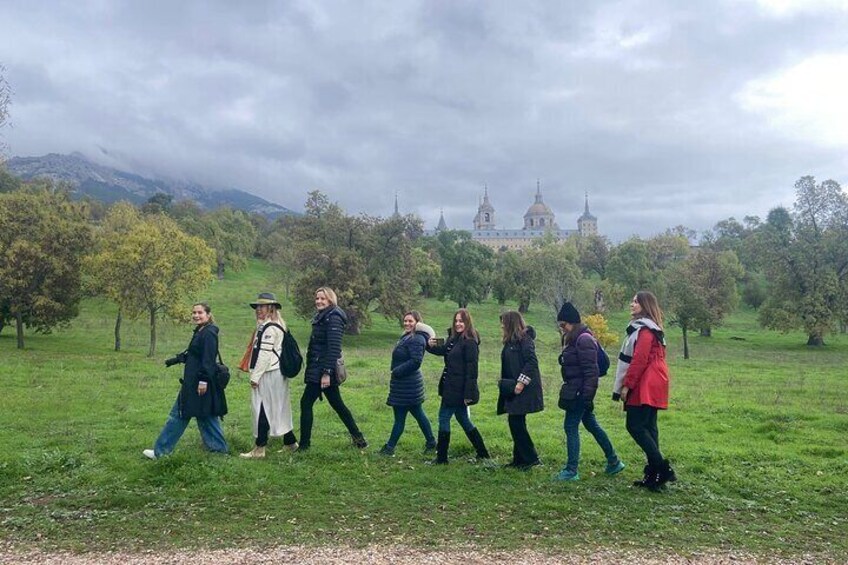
[[538, 221]]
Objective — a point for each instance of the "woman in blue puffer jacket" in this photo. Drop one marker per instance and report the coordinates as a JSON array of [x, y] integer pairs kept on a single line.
[[406, 387]]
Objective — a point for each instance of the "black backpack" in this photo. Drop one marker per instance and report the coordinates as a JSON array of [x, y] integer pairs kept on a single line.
[[603, 360], [291, 361]]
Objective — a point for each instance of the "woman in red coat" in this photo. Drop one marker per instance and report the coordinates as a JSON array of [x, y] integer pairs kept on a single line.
[[641, 381]]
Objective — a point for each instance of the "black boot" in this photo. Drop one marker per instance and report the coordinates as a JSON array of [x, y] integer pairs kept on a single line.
[[649, 479], [477, 441], [442, 448], [665, 474]]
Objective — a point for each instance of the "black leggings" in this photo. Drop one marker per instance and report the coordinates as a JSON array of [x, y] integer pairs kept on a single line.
[[265, 426], [642, 426], [311, 393]]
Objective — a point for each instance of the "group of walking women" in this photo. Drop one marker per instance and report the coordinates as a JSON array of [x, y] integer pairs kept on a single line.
[[641, 382]]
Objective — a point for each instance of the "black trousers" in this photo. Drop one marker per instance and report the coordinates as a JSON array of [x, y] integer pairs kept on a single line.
[[265, 427], [642, 427], [313, 392], [523, 450]]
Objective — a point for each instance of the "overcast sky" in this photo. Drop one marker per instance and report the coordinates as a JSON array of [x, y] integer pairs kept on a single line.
[[667, 113]]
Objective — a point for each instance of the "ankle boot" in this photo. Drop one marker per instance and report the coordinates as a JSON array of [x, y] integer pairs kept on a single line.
[[477, 441], [442, 448], [665, 473], [648, 478], [255, 453]]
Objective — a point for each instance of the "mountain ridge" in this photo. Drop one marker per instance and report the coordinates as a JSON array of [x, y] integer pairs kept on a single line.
[[110, 184]]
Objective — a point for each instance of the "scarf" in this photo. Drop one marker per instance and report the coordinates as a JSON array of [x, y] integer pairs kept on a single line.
[[625, 357]]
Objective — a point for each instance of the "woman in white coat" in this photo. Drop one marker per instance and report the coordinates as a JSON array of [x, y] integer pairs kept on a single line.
[[270, 398]]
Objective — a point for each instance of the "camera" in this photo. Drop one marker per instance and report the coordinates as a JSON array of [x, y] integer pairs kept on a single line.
[[178, 358]]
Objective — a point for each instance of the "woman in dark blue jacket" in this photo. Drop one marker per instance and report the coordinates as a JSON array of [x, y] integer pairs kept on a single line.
[[458, 385], [580, 374], [199, 397], [406, 387], [322, 355]]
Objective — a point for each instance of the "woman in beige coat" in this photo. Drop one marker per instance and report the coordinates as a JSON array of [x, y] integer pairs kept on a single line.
[[270, 398]]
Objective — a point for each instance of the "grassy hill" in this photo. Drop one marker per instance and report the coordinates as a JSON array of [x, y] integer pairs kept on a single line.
[[756, 432]]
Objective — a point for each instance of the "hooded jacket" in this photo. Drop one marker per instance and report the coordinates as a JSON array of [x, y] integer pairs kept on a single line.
[[518, 357], [579, 365], [459, 377], [406, 387]]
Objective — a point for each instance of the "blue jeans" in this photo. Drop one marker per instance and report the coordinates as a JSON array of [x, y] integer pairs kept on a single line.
[[462, 416], [582, 411], [417, 412], [210, 431]]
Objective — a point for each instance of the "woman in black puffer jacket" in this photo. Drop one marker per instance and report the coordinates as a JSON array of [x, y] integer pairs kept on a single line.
[[520, 387], [324, 351], [458, 385], [580, 374], [406, 388]]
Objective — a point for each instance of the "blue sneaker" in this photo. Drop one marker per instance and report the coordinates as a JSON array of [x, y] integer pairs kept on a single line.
[[614, 469], [567, 475]]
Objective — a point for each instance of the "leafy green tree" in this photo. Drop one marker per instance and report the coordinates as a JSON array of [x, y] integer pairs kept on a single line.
[[466, 267], [102, 277], [43, 236], [368, 261], [229, 232], [159, 269], [8, 181], [593, 255], [630, 266], [702, 291], [428, 272], [159, 203], [806, 260], [554, 275]]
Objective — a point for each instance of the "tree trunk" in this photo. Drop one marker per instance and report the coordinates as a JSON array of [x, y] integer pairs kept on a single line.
[[354, 327], [685, 343], [152, 349], [19, 326], [3, 325], [706, 332], [815, 340], [523, 307], [843, 327], [220, 270], [118, 331]]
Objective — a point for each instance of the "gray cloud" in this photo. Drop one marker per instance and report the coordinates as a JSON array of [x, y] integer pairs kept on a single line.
[[636, 102]]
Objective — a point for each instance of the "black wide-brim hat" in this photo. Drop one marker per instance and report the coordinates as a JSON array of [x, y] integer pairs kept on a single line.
[[266, 298]]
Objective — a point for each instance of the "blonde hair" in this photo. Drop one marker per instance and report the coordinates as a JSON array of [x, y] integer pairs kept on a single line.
[[329, 293], [275, 316]]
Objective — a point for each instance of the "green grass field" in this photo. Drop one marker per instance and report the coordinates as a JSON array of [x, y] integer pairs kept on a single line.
[[756, 430]]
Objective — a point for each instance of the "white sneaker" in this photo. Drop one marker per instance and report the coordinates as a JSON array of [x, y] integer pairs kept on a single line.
[[149, 453]]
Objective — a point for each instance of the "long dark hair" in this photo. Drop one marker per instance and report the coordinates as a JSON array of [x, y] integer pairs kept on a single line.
[[514, 327], [650, 307], [469, 332], [571, 336]]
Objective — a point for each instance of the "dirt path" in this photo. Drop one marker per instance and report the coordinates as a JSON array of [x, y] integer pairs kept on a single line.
[[378, 555]]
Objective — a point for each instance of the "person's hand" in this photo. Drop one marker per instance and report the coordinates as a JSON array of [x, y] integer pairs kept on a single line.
[[519, 388], [254, 384], [624, 391], [201, 388], [325, 381], [468, 402], [431, 342]]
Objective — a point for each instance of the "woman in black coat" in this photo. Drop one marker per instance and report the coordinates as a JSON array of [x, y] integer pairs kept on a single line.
[[520, 387], [406, 387], [322, 355], [580, 374], [200, 397], [458, 385]]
